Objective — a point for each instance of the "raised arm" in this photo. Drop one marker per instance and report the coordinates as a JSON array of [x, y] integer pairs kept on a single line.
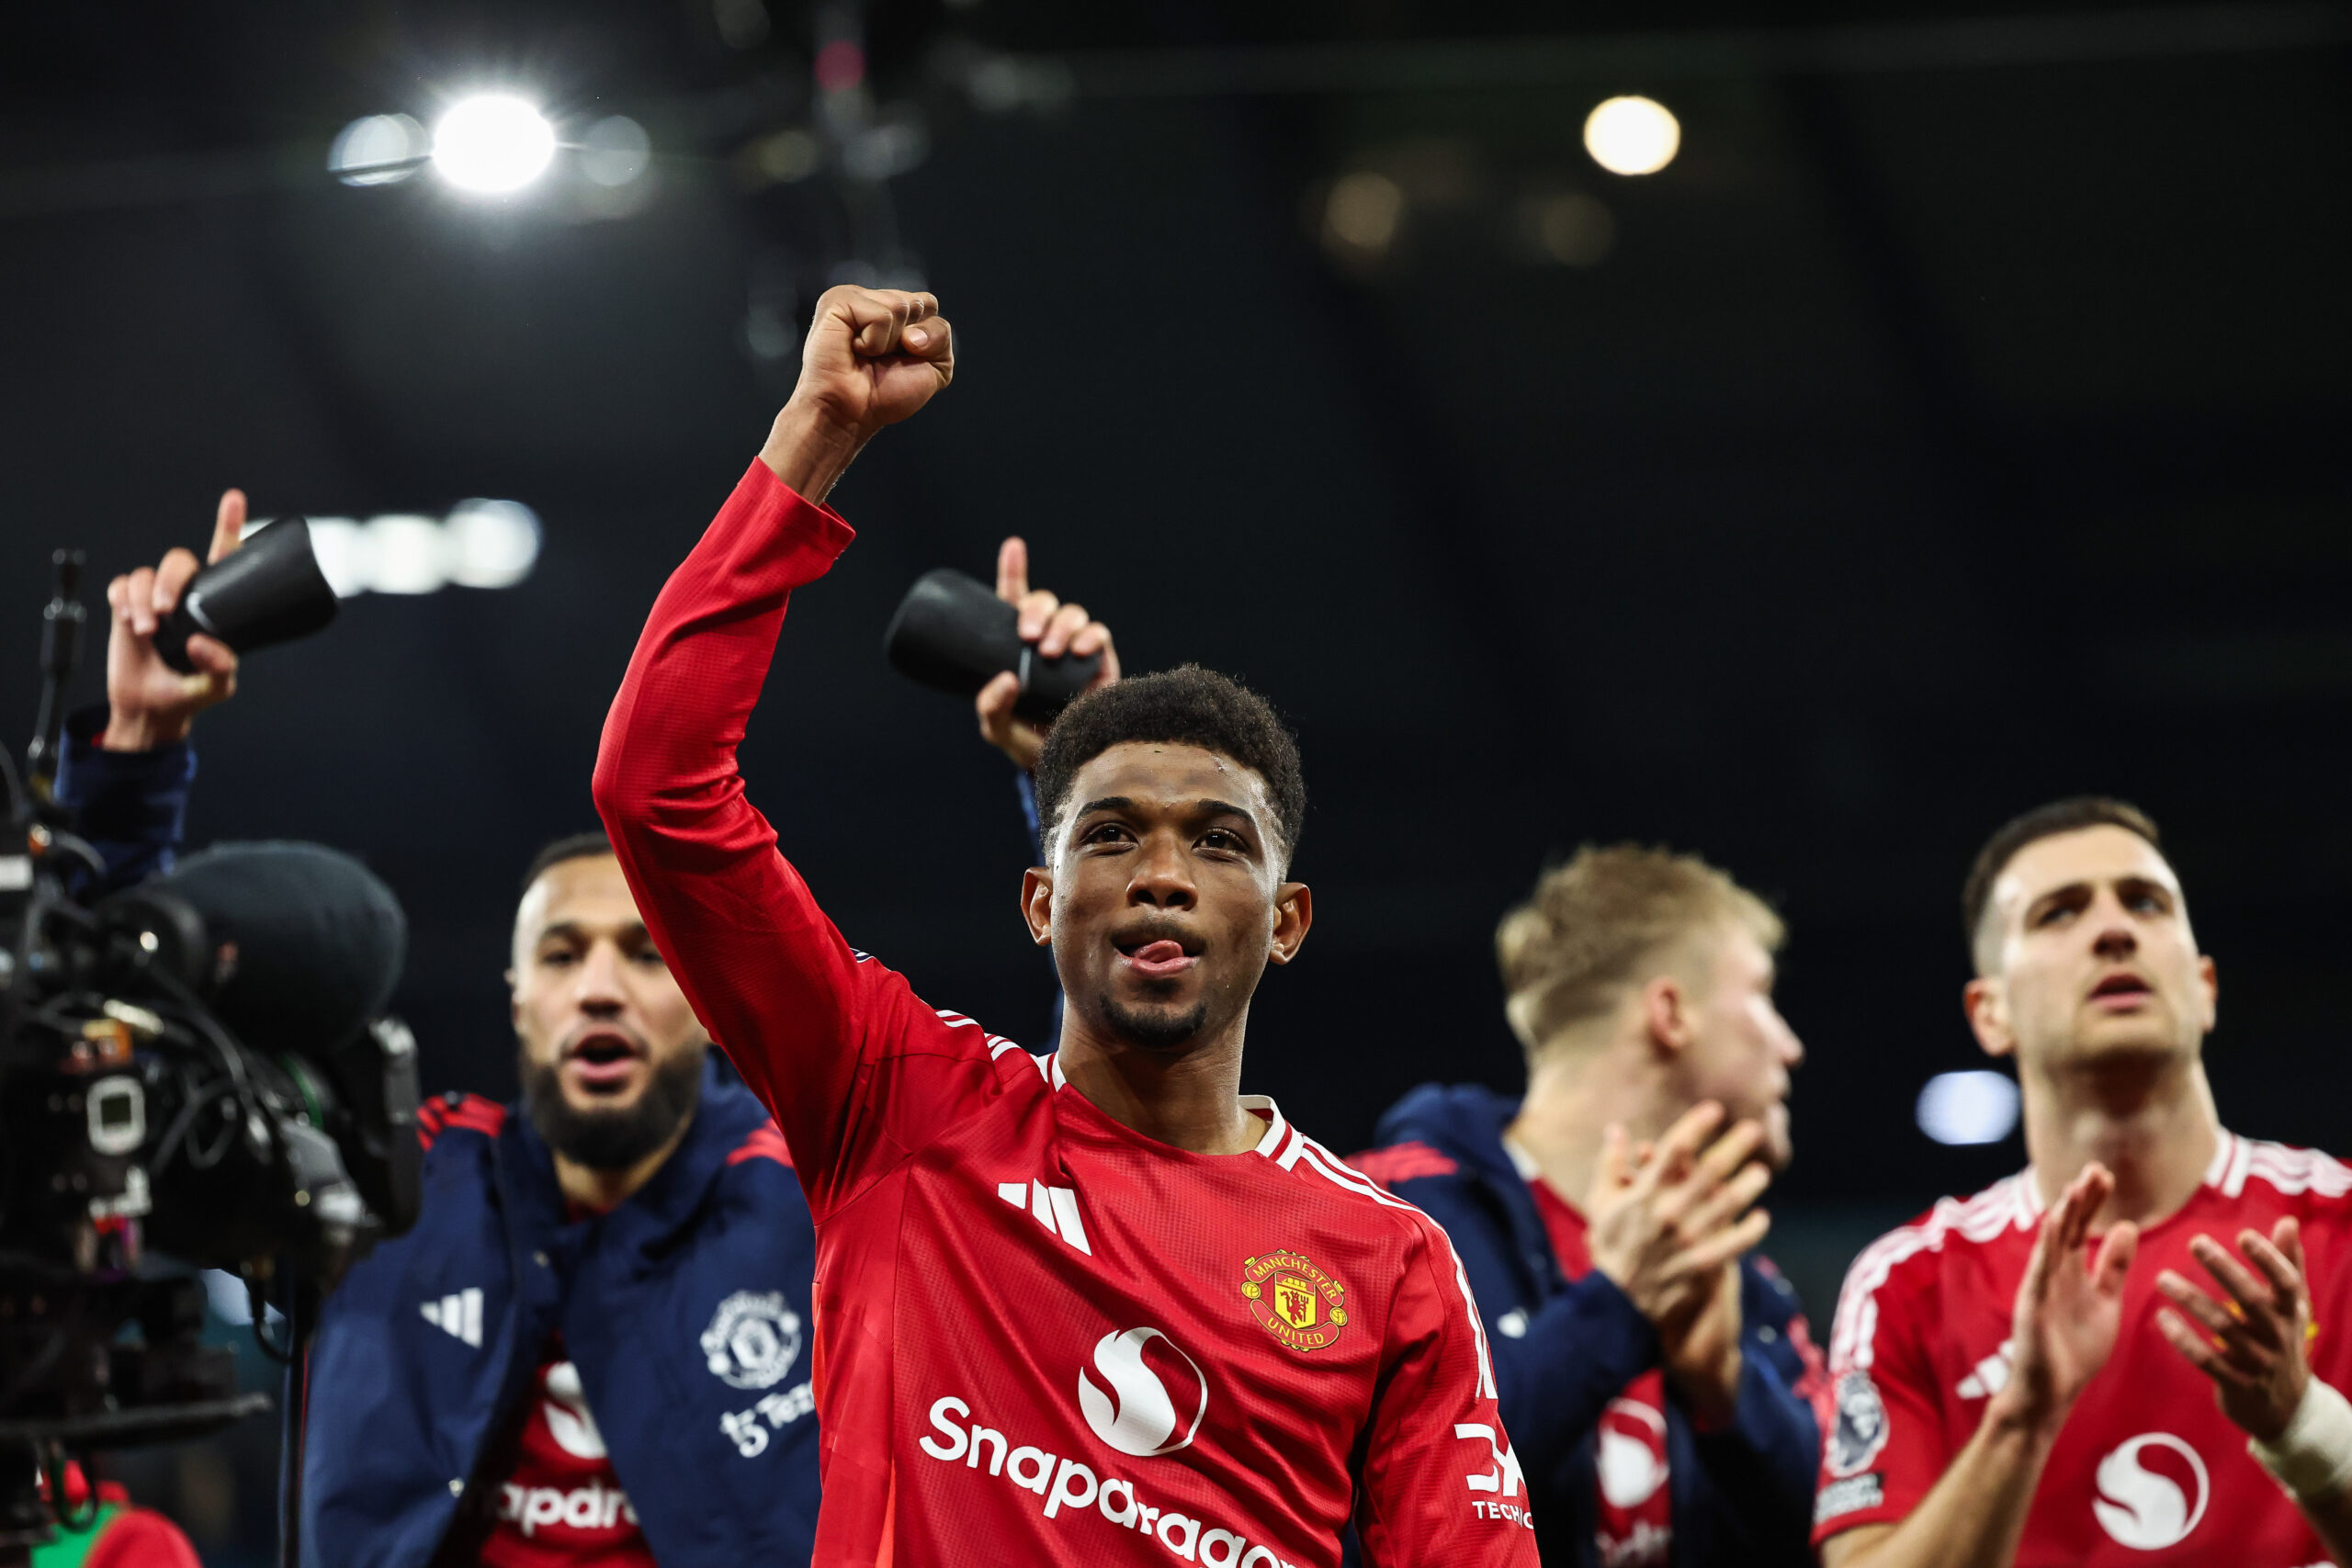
[[819, 1031]]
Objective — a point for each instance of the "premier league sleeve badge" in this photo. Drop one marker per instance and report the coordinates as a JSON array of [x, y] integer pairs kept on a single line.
[[1861, 1430]]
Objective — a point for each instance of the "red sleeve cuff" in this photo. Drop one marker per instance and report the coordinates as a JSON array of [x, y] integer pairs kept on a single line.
[[805, 524]]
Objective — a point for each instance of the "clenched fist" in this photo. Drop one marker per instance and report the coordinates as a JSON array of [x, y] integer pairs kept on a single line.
[[871, 357]]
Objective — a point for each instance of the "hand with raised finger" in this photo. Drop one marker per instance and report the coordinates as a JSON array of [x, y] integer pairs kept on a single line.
[[2068, 1307], [1056, 628], [149, 703], [2252, 1342]]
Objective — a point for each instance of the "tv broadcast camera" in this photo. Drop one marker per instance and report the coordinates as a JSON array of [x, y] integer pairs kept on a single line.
[[199, 1064]]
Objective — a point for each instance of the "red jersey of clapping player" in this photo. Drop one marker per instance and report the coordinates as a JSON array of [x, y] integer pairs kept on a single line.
[[561, 1505], [1040, 1337], [2147, 1470]]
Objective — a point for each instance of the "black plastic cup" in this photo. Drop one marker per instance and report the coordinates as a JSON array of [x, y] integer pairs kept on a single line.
[[270, 591], [953, 634]]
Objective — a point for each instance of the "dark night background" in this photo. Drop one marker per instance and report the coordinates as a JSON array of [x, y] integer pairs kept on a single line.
[[1958, 421]]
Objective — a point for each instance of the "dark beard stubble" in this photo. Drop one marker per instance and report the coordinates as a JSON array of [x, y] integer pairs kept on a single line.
[[1153, 1031], [613, 1139]]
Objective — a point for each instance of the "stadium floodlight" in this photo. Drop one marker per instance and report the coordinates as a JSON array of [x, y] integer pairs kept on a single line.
[[1632, 136], [493, 144]]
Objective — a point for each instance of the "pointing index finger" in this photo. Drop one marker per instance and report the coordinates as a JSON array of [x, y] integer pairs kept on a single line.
[[228, 523], [1012, 569]]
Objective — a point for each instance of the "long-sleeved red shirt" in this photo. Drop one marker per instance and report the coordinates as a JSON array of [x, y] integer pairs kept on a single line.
[[1041, 1338]]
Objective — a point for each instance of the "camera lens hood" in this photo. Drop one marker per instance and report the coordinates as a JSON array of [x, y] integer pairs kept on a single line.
[[270, 591], [953, 634]]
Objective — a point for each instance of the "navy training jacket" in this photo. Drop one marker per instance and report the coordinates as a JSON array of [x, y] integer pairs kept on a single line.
[[686, 1309], [1563, 1350]]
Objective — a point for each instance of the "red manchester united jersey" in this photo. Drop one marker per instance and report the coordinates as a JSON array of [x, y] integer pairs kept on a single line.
[[2147, 1470], [1040, 1336]]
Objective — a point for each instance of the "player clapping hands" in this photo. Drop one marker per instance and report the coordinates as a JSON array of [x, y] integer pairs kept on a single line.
[[1669, 1225]]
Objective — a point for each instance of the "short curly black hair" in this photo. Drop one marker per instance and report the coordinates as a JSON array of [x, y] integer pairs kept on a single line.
[[1187, 706]]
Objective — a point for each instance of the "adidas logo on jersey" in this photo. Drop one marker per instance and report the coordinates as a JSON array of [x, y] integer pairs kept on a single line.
[[1990, 1375], [459, 1313], [1055, 1207]]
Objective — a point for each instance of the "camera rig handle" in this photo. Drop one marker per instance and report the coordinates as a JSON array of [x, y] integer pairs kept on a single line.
[[62, 620]]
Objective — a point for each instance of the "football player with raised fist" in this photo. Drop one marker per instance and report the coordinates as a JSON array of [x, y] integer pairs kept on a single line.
[[1095, 1307]]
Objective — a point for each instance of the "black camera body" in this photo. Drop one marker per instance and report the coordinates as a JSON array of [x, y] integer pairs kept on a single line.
[[200, 1065]]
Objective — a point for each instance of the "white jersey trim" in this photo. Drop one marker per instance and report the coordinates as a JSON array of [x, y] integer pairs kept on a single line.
[[1324, 1163], [2009, 1203], [1276, 1128], [2225, 1172], [2016, 1200], [2293, 1172]]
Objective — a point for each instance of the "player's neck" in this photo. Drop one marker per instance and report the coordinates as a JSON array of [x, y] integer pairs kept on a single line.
[[2149, 1120], [604, 1190], [1189, 1098], [1574, 1093]]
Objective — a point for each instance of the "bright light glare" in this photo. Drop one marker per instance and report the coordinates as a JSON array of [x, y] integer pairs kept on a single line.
[[615, 150], [1968, 1107], [1632, 136], [492, 544], [342, 554], [481, 544], [377, 150], [406, 555], [493, 144]]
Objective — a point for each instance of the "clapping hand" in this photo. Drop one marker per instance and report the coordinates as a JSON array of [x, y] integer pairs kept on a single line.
[[2069, 1305], [2252, 1345]]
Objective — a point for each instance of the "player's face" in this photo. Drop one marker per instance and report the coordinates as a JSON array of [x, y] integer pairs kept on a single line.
[[2096, 954], [1741, 1050], [1167, 898], [593, 999]]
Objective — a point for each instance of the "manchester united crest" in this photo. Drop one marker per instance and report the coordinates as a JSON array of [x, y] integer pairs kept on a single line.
[[1297, 1303]]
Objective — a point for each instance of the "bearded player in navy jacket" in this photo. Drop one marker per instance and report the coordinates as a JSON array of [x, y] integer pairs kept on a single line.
[[593, 1346], [1656, 1372]]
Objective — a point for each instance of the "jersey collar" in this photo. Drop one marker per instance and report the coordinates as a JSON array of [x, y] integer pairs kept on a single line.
[[2225, 1174], [1278, 1130]]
